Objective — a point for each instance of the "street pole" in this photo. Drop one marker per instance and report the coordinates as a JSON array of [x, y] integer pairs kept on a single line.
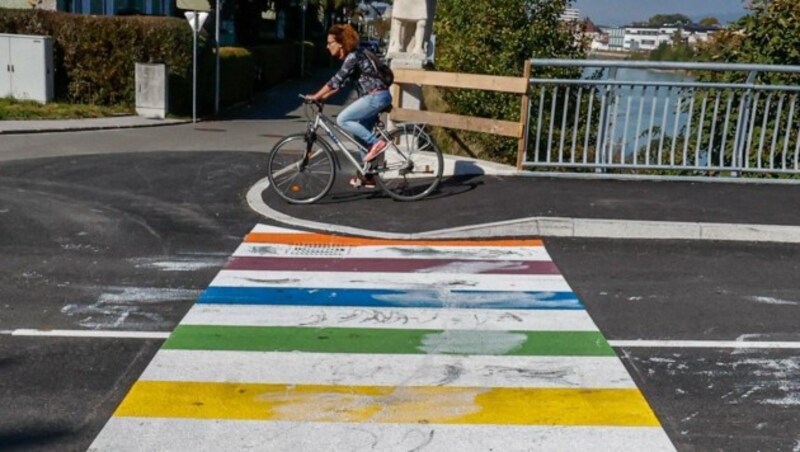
[[303, 40], [194, 69], [216, 78]]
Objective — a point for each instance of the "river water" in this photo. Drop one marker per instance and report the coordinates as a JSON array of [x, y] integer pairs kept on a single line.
[[632, 100]]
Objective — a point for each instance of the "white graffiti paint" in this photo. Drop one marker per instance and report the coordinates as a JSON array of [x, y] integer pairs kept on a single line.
[[467, 267], [509, 300], [774, 301], [467, 342], [146, 295], [126, 307], [179, 265]]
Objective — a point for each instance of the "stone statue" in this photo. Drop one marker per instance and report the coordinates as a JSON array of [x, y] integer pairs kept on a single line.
[[409, 22]]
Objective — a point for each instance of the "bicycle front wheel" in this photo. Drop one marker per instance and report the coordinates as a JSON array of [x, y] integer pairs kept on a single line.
[[297, 176], [411, 166]]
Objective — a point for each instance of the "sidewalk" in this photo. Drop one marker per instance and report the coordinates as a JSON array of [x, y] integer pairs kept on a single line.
[[483, 199]]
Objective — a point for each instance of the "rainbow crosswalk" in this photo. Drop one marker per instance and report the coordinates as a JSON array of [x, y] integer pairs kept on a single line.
[[315, 342]]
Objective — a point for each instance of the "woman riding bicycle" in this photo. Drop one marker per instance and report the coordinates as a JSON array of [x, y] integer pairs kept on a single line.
[[359, 117]]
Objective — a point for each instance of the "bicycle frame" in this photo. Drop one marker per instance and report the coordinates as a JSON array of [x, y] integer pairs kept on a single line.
[[335, 132]]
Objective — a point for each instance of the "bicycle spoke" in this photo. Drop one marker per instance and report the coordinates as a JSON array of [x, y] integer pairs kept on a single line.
[[412, 165], [295, 181]]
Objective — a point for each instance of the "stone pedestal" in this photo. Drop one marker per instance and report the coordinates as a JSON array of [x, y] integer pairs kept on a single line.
[[411, 96]]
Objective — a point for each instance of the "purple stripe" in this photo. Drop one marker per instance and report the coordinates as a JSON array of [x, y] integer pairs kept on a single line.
[[393, 265]]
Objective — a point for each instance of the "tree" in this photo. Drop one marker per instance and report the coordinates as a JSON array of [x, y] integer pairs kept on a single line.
[[496, 37], [769, 34], [661, 20], [709, 22]]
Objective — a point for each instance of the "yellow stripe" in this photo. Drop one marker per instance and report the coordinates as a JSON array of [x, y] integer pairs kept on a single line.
[[386, 404]]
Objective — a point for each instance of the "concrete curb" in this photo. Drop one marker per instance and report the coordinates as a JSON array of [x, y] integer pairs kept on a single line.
[[10, 127], [554, 227]]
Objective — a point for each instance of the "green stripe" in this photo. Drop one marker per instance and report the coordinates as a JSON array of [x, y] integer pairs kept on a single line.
[[388, 341]]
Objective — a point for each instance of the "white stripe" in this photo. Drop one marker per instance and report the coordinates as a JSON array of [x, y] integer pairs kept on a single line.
[[530, 253], [269, 229], [395, 318], [704, 344], [93, 333], [135, 434], [391, 281], [356, 369]]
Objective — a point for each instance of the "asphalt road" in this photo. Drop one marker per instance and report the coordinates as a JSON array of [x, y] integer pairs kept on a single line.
[[125, 241]]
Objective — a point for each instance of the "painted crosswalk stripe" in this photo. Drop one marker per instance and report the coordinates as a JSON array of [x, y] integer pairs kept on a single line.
[[308, 342], [389, 370], [417, 297], [339, 240], [176, 434], [370, 340], [394, 318], [390, 404], [397, 281], [405, 252], [388, 265]]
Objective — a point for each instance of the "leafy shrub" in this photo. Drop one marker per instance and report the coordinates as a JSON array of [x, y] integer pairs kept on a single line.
[[495, 37], [237, 72]]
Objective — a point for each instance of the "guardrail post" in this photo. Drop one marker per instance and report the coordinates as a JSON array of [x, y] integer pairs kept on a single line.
[[741, 132], [524, 113], [600, 153]]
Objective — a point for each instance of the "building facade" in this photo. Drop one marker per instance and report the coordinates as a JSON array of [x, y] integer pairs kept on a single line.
[[571, 15], [97, 7]]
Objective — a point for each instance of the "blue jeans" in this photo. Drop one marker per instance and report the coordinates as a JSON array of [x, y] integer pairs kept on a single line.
[[359, 117]]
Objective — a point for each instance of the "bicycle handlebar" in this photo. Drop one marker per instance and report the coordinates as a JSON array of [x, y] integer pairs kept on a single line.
[[306, 100]]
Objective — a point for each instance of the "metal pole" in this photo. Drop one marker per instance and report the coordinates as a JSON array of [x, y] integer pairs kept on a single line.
[[217, 13], [194, 69], [303, 40]]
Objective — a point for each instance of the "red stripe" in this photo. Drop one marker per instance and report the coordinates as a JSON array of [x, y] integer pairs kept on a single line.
[[392, 265]]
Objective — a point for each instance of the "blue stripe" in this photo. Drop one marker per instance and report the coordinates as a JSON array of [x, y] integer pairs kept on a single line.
[[390, 298]]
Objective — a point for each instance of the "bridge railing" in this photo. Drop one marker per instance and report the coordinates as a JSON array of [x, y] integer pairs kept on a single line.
[[611, 121]]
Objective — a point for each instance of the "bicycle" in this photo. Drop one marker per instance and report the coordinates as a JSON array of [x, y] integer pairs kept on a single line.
[[302, 167]]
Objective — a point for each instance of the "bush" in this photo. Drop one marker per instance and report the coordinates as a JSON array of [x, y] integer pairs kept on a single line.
[[237, 72], [507, 33]]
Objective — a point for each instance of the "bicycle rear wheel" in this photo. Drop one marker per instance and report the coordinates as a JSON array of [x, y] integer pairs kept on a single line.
[[411, 166], [298, 177]]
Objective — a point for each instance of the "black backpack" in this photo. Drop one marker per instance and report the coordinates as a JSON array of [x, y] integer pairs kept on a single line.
[[382, 69]]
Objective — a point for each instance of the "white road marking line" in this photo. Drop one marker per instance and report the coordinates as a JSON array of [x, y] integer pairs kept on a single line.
[[90, 333], [704, 344], [637, 343]]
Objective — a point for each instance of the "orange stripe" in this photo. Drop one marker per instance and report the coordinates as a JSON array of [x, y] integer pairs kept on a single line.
[[337, 240]]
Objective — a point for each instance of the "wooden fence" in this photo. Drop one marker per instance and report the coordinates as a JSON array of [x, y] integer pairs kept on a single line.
[[514, 85]]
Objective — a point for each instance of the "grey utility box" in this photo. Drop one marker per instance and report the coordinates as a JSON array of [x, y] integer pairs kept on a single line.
[[151, 90], [26, 67]]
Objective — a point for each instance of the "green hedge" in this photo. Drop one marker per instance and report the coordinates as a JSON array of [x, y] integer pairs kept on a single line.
[[237, 72]]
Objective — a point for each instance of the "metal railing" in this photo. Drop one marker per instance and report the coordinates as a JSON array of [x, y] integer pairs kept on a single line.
[[612, 121]]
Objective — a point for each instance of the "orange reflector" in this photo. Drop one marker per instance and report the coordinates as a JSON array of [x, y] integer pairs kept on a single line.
[[295, 188]]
